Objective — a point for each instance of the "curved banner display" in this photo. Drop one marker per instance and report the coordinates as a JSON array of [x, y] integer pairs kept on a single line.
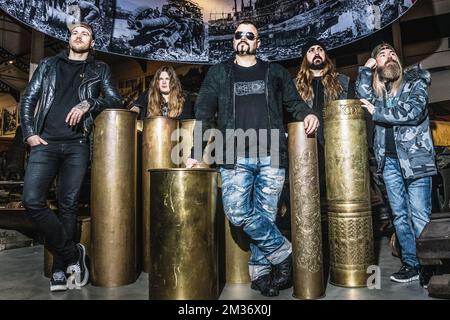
[[201, 31]]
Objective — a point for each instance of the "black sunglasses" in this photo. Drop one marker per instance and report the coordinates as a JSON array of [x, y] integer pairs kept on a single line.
[[249, 35]]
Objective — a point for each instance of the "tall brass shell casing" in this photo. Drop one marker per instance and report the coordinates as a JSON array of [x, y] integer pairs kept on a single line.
[[348, 193], [305, 214], [187, 133], [186, 139], [183, 239], [157, 148], [113, 215], [237, 245], [237, 254]]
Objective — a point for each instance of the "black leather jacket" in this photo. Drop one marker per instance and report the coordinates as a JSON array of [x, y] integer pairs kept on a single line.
[[40, 92], [216, 96]]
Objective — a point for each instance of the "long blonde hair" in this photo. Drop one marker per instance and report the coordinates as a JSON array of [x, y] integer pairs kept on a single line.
[[380, 87], [330, 82], [155, 98]]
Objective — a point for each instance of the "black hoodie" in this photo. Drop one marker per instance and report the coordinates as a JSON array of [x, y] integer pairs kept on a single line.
[[69, 74]]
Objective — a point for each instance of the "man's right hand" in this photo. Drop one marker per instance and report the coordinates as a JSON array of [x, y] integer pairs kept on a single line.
[[191, 163], [35, 140], [371, 63]]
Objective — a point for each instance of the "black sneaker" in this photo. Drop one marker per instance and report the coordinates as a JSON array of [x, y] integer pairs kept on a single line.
[[265, 286], [405, 274], [58, 282], [78, 273]]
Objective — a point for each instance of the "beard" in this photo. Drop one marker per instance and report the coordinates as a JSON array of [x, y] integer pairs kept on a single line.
[[80, 49], [390, 71], [314, 66], [317, 63], [243, 48]]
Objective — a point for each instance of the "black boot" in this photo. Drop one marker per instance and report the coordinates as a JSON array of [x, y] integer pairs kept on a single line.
[[282, 273], [264, 284]]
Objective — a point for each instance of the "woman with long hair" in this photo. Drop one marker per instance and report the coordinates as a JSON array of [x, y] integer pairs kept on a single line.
[[164, 97]]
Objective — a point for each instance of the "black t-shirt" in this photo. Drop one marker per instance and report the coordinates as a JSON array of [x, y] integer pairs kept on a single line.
[[68, 81], [251, 107], [390, 150], [318, 102]]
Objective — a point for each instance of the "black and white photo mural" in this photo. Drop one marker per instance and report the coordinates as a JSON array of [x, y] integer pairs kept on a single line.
[[201, 31], [53, 17]]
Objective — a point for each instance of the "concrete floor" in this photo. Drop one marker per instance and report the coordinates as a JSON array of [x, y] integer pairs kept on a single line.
[[21, 278]]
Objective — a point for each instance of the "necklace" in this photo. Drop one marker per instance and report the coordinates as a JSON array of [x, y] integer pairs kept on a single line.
[[164, 109]]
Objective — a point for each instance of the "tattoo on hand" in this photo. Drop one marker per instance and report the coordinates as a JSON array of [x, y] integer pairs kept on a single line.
[[83, 106]]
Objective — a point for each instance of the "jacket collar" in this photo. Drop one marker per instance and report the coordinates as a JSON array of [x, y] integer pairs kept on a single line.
[[65, 56], [229, 63]]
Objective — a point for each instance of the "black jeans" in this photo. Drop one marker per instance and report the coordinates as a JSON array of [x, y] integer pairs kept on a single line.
[[69, 162]]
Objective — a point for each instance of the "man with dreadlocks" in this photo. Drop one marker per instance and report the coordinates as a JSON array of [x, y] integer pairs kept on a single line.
[[317, 83]]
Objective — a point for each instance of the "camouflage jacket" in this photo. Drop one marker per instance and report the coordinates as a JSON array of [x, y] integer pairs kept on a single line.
[[409, 118]]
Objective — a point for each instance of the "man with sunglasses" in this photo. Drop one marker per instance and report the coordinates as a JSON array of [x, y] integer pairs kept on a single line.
[[250, 95], [56, 113]]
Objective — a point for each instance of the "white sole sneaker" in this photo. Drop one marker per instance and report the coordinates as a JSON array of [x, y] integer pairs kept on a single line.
[[404, 280], [85, 279], [74, 281], [59, 287]]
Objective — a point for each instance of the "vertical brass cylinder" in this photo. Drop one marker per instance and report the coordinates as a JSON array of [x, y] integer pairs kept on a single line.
[[237, 254], [186, 139], [183, 239], [306, 227], [113, 207], [83, 236], [157, 147], [348, 193], [187, 132]]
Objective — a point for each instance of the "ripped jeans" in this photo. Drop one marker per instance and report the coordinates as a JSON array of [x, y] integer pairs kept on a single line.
[[250, 195]]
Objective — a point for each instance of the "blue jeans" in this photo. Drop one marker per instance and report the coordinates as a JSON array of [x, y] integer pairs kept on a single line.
[[69, 162], [250, 195], [410, 201]]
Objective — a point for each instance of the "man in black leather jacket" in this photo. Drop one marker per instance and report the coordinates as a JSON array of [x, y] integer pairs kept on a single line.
[[56, 115]]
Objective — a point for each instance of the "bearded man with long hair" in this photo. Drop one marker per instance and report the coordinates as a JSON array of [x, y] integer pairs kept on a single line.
[[397, 101], [318, 82]]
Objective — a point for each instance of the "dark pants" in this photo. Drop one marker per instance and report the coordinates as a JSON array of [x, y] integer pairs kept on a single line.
[[69, 162]]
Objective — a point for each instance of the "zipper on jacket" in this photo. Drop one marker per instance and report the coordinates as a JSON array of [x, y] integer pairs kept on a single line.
[[234, 116], [81, 85], [267, 94], [82, 97], [268, 107]]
